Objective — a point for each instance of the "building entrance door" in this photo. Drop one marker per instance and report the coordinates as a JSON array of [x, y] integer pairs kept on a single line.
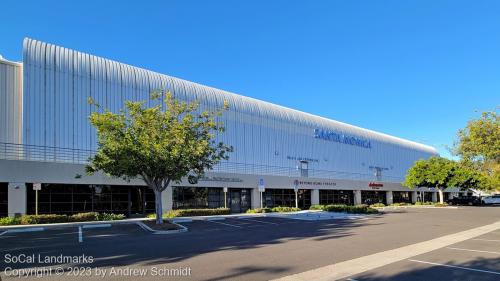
[[235, 201]]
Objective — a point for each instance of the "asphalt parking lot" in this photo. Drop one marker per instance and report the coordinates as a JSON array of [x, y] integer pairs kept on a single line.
[[263, 248], [473, 259]]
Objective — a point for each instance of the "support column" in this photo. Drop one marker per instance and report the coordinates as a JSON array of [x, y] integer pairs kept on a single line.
[[388, 197], [16, 196], [357, 197], [255, 198], [413, 197], [434, 197], [315, 197], [167, 201]]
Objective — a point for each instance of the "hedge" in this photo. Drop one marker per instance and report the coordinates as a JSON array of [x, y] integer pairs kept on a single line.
[[281, 209], [53, 218], [341, 208], [259, 210], [193, 213]]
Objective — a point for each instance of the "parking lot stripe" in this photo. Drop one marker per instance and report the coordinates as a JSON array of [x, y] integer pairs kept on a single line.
[[97, 225], [456, 266], [266, 222], [471, 250], [355, 266], [80, 235], [489, 240], [3, 233], [20, 230], [218, 222]]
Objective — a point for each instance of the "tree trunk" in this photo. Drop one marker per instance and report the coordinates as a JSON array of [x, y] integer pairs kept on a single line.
[[441, 195], [158, 207]]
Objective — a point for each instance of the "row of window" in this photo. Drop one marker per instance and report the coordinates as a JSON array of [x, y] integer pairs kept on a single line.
[[286, 198], [327, 197], [3, 199], [73, 198], [238, 200], [130, 200]]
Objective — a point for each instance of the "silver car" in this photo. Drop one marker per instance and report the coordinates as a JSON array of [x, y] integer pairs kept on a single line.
[[494, 199]]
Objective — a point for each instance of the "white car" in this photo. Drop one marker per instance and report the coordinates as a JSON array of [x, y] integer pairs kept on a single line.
[[494, 199]]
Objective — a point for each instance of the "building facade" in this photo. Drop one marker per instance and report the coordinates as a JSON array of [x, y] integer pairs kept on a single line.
[[46, 138]]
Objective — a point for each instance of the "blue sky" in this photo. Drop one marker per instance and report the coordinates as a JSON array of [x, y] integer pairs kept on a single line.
[[414, 69]]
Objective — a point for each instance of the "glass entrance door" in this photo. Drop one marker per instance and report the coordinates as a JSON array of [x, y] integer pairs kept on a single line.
[[235, 201]]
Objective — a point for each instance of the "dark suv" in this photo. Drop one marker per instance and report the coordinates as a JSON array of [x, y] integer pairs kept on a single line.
[[465, 200]]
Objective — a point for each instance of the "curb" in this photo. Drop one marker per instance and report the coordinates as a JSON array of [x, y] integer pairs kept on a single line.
[[70, 224], [147, 228]]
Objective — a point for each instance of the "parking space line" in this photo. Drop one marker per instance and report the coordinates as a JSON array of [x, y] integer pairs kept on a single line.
[[266, 222], [232, 225], [5, 232], [97, 225], [489, 240], [471, 250], [80, 235], [456, 266]]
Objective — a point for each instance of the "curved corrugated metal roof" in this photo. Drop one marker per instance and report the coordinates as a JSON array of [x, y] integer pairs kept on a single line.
[[142, 80]]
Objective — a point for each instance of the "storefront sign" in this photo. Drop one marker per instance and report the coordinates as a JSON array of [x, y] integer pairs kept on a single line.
[[314, 183], [375, 185], [341, 138], [222, 179]]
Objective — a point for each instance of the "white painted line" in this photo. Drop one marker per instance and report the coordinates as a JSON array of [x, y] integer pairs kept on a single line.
[[96, 225], [489, 240], [215, 219], [181, 220], [350, 279], [5, 232], [471, 250], [266, 222], [232, 225], [80, 235], [356, 266], [459, 267], [21, 230]]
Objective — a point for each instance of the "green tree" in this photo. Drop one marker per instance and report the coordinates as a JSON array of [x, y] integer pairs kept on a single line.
[[158, 146], [442, 173], [479, 145], [437, 172]]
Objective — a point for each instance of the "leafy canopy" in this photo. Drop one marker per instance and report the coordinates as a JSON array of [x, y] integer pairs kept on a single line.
[[441, 173], [158, 145], [479, 146]]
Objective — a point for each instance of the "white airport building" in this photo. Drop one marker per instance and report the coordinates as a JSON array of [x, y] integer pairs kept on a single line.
[[45, 137]]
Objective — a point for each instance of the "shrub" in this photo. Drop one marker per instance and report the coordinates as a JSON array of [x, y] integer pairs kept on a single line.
[[317, 207], [377, 205], [81, 217], [258, 210], [400, 204], [441, 205], [340, 208], [194, 213], [419, 203], [41, 219], [281, 209], [335, 208], [109, 217], [9, 221]]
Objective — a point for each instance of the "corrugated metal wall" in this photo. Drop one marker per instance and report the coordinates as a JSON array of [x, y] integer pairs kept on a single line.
[[11, 96], [58, 81]]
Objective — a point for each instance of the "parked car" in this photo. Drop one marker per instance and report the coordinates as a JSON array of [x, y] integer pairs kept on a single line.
[[465, 200], [490, 200]]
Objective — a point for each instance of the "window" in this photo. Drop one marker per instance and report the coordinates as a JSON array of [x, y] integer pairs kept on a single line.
[[401, 197], [185, 197], [327, 197], [286, 198], [3, 199], [372, 197], [73, 198]]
